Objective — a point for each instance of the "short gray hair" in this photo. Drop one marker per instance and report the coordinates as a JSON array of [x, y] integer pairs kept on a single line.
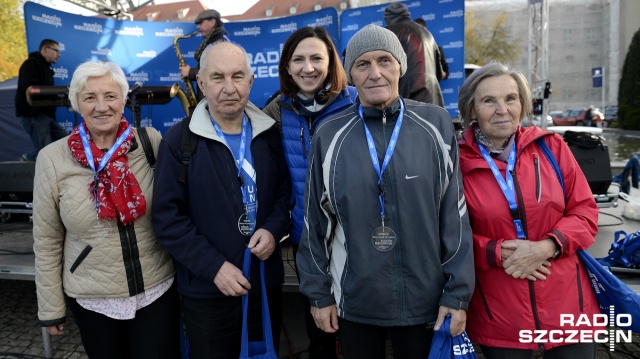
[[90, 69], [210, 51], [492, 69]]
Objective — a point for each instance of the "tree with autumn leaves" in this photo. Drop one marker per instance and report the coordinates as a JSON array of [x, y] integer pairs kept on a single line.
[[13, 47]]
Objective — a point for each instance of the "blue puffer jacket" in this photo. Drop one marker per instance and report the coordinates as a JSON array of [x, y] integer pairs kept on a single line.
[[297, 132]]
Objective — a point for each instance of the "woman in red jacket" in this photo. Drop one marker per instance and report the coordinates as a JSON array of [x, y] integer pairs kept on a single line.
[[531, 287]]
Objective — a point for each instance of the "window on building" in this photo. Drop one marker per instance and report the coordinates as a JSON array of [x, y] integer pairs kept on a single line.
[[182, 13], [592, 34], [568, 37]]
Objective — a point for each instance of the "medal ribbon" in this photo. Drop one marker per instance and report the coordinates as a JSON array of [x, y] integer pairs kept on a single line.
[[239, 160], [105, 159], [506, 186], [387, 157]]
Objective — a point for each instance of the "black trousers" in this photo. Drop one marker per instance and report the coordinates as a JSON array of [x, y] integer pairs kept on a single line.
[[214, 325], [154, 333], [362, 341], [571, 351], [322, 345]]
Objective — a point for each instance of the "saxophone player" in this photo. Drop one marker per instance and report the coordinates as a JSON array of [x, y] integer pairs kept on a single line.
[[211, 28]]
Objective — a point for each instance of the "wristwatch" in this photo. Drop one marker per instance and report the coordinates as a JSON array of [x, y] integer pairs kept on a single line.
[[558, 251]]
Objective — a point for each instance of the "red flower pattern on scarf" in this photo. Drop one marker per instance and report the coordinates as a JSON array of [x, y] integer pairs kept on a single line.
[[119, 192]]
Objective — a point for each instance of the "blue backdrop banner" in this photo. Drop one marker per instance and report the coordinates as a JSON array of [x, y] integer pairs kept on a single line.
[[146, 53], [445, 21]]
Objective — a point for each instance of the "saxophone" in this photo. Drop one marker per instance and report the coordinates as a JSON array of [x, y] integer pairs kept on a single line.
[[177, 91], [191, 95]]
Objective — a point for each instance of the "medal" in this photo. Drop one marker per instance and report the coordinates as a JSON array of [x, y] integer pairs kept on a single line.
[[244, 225], [100, 230], [247, 221], [383, 239]]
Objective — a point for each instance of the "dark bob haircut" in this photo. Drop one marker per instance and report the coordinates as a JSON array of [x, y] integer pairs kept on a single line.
[[336, 77]]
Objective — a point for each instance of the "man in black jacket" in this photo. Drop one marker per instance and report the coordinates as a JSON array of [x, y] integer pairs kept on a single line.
[[442, 72], [39, 122], [420, 82]]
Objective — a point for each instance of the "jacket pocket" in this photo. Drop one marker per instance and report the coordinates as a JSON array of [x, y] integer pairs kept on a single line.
[[536, 166], [484, 300], [81, 257], [579, 282]]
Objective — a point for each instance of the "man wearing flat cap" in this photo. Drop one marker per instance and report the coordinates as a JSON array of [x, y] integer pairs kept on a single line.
[[386, 248], [421, 81], [210, 27]]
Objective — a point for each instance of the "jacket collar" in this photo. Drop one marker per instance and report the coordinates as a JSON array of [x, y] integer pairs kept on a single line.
[[201, 124], [371, 113]]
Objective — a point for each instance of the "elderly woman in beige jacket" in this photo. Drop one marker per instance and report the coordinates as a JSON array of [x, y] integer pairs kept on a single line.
[[94, 245]]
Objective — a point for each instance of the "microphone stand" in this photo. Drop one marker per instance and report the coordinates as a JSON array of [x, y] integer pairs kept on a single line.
[[135, 109]]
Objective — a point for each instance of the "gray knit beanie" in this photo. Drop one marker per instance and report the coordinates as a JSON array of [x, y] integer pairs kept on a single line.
[[372, 38], [396, 12]]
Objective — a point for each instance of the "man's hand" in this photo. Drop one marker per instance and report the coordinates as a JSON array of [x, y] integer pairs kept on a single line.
[[528, 259], [230, 281], [458, 320], [262, 244], [326, 318], [56, 329], [184, 71]]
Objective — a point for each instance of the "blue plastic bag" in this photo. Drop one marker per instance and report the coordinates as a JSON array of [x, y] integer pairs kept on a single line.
[[444, 346], [624, 252], [263, 349], [610, 291]]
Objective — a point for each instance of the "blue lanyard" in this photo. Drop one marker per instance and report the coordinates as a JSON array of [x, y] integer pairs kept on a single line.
[[239, 159], [506, 186], [89, 154], [387, 157]]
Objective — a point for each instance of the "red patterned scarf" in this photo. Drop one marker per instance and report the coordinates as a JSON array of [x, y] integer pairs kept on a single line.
[[118, 190]]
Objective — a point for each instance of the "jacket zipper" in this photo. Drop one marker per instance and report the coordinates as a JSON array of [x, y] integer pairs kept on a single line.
[[304, 147], [580, 298], [523, 218], [536, 166], [135, 281], [396, 252]]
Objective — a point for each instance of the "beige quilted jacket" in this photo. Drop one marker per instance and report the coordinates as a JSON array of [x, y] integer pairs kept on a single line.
[[64, 218]]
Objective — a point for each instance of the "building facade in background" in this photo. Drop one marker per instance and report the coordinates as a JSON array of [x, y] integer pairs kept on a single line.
[[583, 34]]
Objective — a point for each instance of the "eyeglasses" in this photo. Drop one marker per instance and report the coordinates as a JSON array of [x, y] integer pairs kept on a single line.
[[51, 48]]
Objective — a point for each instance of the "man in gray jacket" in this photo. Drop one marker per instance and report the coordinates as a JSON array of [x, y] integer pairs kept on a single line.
[[387, 246]]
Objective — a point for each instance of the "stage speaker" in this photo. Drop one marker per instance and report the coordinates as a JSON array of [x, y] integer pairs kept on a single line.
[[596, 165], [16, 181]]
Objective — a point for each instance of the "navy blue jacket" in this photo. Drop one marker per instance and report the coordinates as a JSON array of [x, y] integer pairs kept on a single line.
[[197, 221]]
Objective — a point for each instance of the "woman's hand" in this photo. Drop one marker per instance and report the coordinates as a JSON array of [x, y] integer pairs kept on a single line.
[[527, 259], [56, 329]]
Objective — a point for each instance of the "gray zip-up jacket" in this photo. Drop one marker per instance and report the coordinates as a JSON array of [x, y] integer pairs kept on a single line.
[[431, 262]]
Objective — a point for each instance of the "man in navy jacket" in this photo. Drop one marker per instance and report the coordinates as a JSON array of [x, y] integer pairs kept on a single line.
[[235, 196]]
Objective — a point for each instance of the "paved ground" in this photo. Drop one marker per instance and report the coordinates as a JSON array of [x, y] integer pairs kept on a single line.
[[20, 336]]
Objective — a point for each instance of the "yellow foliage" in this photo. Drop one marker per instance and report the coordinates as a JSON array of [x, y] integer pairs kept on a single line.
[[487, 39], [13, 47]]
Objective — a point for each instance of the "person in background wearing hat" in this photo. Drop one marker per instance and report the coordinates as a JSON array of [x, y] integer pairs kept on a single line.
[[210, 27], [386, 248], [421, 82]]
